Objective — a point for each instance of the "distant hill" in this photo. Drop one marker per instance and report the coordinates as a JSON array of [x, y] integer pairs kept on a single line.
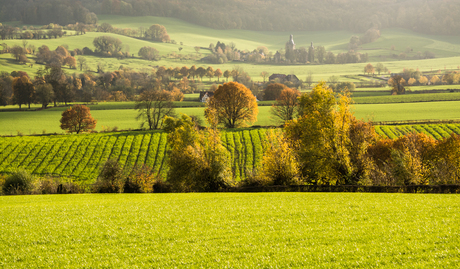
[[429, 17]]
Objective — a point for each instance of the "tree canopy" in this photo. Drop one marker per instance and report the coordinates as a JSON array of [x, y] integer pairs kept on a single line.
[[234, 104], [77, 119]]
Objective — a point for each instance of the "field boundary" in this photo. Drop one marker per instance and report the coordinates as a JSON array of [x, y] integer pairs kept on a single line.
[[353, 188], [413, 122]]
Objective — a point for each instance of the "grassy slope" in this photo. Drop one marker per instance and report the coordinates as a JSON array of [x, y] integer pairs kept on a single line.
[[309, 230], [193, 35]]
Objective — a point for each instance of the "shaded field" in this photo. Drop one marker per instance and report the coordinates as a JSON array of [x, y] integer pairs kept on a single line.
[[269, 230], [82, 156]]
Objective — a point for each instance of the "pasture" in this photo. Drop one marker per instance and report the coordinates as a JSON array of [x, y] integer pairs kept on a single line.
[[122, 115], [231, 230], [445, 48]]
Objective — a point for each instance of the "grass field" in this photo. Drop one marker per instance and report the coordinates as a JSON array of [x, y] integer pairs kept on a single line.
[[382, 108], [231, 230]]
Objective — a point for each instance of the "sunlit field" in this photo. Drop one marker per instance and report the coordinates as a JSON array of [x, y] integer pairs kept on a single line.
[[226, 230]]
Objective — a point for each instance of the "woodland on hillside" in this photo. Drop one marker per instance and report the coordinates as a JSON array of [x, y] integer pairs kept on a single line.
[[429, 17]]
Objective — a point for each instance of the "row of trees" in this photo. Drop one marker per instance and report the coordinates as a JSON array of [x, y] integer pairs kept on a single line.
[[323, 144]]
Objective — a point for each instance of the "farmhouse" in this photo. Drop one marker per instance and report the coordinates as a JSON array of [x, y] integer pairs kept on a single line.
[[205, 95], [284, 78]]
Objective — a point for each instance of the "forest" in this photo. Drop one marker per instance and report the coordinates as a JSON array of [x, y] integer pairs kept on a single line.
[[429, 17]]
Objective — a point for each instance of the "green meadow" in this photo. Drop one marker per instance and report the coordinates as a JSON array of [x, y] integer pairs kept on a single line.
[[231, 230], [110, 115]]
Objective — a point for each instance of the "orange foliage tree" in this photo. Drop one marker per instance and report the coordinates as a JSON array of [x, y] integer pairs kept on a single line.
[[77, 119], [286, 104], [234, 104]]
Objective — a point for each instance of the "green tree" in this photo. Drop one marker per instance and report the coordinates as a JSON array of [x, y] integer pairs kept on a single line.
[[234, 105], [23, 91], [153, 106], [149, 53], [380, 68], [44, 94], [320, 54]]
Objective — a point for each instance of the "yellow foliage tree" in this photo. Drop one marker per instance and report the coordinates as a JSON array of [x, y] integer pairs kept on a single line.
[[330, 142]]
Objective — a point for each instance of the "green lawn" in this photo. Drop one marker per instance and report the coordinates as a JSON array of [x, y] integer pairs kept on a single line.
[[231, 230]]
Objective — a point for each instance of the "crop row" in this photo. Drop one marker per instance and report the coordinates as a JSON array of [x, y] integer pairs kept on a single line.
[[437, 131], [82, 156]]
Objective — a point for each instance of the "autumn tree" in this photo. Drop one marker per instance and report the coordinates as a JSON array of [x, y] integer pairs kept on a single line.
[[369, 69], [153, 106], [157, 32], [397, 84], [330, 143], [23, 91], [77, 119], [423, 80], [234, 105], [218, 73], [149, 53], [286, 105], [264, 75], [434, 80], [197, 161], [273, 91], [70, 61], [227, 74], [201, 72]]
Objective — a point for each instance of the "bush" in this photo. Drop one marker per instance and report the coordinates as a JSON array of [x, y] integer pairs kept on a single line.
[[110, 179], [253, 179], [20, 182], [161, 186], [140, 181], [46, 186], [280, 164]]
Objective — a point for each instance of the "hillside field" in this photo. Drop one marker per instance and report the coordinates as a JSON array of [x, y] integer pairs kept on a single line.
[[445, 48], [81, 156], [231, 230]]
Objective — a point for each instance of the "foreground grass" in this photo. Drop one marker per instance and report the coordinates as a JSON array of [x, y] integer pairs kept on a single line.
[[267, 230]]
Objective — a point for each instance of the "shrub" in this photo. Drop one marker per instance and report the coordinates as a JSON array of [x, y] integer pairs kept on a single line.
[[161, 186], [46, 186], [110, 179], [20, 182], [280, 165], [140, 181]]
